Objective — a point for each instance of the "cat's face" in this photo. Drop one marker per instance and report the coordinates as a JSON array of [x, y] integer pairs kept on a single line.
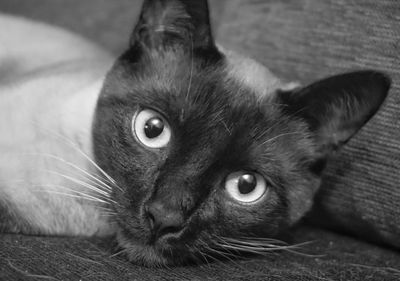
[[200, 156]]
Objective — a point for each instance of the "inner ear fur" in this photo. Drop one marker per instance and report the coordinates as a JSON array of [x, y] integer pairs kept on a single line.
[[335, 108], [163, 23]]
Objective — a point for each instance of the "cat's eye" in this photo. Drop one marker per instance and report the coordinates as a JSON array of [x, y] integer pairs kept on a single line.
[[245, 187], [151, 129]]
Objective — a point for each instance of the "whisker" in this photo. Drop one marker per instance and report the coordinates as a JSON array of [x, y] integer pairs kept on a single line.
[[208, 256], [74, 196], [255, 240], [106, 215], [107, 209], [203, 256], [260, 247], [259, 239], [265, 245], [258, 243], [73, 145], [191, 69], [118, 253], [223, 254], [99, 181], [227, 254], [99, 196], [226, 127], [106, 212], [82, 183], [243, 249], [73, 192], [281, 135], [240, 246]]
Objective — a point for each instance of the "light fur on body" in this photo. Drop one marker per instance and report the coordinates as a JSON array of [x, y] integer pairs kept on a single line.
[[49, 83]]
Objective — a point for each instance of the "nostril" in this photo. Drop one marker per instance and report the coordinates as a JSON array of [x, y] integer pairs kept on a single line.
[[163, 220], [168, 230]]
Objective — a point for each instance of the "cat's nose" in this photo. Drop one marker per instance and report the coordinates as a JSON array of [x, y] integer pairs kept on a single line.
[[163, 220]]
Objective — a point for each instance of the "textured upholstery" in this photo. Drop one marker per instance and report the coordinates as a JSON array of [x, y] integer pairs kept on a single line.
[[23, 258], [305, 40], [300, 40]]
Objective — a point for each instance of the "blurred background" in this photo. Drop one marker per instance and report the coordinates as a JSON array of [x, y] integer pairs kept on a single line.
[[109, 23]]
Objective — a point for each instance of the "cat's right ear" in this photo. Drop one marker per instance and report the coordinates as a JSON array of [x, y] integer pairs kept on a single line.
[[335, 108], [171, 23]]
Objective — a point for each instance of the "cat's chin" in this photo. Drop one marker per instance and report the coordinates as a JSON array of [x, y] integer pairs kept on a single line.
[[147, 255]]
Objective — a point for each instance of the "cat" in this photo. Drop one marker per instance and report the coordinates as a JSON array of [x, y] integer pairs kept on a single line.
[[181, 149]]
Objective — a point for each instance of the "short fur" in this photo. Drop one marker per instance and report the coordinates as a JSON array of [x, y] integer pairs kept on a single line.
[[227, 113]]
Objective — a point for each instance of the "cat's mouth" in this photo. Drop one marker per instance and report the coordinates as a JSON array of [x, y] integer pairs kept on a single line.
[[152, 254]]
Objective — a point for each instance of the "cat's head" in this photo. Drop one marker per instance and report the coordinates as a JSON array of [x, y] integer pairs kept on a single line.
[[206, 147]]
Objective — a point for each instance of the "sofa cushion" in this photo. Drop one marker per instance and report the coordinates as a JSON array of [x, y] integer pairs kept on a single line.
[[336, 258]]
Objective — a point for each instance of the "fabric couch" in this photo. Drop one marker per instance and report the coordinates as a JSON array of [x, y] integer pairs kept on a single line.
[[300, 40]]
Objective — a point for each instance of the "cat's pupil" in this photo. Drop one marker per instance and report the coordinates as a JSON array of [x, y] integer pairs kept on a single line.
[[247, 183], [153, 127]]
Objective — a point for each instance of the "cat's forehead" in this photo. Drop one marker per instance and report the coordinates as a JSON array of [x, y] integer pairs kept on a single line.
[[191, 85], [244, 70]]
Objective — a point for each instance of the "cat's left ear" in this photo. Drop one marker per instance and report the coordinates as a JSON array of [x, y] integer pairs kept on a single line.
[[165, 23], [337, 107]]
